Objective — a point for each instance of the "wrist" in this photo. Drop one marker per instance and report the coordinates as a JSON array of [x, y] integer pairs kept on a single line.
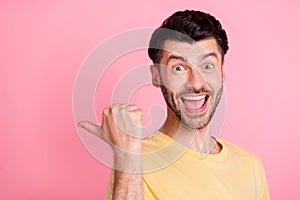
[[128, 162]]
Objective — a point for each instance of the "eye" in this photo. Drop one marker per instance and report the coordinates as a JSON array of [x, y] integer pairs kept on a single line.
[[178, 68], [208, 66]]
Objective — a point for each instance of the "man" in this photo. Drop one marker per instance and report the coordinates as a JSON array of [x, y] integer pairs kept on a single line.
[[182, 160]]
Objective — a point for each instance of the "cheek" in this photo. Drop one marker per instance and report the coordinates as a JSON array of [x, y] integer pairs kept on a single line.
[[214, 81], [172, 83]]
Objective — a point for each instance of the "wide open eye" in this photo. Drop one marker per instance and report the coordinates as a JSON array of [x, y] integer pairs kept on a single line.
[[178, 68], [208, 66]]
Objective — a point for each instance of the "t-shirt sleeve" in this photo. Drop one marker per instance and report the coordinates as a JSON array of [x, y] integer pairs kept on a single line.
[[262, 182]]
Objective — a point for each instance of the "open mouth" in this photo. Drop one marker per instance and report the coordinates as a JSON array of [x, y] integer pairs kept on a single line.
[[195, 104]]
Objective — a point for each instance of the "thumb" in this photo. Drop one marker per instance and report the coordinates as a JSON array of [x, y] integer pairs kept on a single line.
[[92, 128]]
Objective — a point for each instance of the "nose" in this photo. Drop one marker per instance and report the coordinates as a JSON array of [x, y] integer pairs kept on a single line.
[[195, 80]]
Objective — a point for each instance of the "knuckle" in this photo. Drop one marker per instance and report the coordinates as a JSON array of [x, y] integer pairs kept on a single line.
[[106, 111], [118, 107], [139, 112], [133, 106], [115, 105], [115, 111]]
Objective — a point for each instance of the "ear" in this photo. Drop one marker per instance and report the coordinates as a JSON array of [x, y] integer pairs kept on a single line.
[[155, 76], [223, 72]]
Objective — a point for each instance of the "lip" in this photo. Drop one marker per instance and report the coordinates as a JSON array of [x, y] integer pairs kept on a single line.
[[199, 96]]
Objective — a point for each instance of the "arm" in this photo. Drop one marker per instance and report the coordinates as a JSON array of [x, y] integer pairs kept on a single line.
[[128, 175], [119, 187], [127, 186], [121, 129]]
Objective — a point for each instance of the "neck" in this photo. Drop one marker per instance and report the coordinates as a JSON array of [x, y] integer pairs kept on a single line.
[[196, 139]]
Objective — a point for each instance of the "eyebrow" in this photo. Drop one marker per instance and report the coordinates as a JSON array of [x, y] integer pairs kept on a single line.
[[176, 58], [212, 54]]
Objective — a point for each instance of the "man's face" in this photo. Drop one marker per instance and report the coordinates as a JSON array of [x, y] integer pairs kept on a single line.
[[191, 79]]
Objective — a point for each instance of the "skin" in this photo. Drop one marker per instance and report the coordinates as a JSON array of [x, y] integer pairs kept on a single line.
[[121, 129], [200, 72], [190, 70]]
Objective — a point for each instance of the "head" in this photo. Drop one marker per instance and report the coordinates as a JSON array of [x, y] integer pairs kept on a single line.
[[188, 52]]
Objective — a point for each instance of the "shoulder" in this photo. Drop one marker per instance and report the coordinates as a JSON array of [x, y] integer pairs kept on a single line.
[[156, 141], [247, 160], [240, 153]]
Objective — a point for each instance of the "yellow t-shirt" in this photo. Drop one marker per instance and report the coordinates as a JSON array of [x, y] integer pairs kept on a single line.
[[233, 174], [173, 172]]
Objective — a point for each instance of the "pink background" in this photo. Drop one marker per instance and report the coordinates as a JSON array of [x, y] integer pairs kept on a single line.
[[43, 45]]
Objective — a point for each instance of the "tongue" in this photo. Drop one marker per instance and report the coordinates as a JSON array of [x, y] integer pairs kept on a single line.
[[192, 104]]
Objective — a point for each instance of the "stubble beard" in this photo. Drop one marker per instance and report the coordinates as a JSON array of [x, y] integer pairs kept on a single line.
[[197, 122]]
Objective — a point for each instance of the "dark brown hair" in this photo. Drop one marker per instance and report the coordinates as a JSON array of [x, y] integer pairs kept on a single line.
[[187, 26]]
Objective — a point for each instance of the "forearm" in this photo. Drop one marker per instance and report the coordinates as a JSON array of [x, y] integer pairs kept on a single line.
[[127, 186], [128, 178]]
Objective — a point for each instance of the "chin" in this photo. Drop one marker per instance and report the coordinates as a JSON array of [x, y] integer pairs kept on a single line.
[[195, 123]]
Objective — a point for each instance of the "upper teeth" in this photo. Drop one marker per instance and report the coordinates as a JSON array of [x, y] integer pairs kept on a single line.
[[194, 97]]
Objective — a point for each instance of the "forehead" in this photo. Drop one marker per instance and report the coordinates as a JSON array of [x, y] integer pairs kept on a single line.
[[196, 49]]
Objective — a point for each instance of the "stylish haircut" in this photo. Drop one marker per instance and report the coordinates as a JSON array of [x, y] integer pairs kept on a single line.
[[187, 26]]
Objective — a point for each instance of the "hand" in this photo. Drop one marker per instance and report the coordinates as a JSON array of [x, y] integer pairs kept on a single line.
[[122, 129]]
